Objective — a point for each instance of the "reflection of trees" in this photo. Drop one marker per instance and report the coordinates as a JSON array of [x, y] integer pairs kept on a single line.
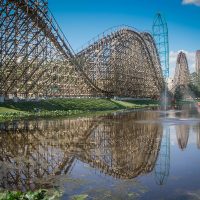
[[182, 134], [33, 152]]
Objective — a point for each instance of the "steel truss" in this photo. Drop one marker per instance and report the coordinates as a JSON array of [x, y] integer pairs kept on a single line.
[[162, 166], [37, 60], [160, 34]]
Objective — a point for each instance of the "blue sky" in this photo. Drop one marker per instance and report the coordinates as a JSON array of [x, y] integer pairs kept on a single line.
[[81, 20]]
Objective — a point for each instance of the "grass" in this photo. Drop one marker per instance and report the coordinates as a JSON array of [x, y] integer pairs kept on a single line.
[[66, 107], [8, 110], [185, 102]]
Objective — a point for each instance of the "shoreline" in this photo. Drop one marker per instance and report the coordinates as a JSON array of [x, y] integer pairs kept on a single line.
[[54, 108]]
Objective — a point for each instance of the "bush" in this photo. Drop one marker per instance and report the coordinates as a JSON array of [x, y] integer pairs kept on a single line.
[[178, 95], [37, 195]]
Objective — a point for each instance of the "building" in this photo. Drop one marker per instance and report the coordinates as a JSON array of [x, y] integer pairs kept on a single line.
[[198, 62]]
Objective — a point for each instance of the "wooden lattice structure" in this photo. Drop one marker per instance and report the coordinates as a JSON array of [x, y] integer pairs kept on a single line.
[[46, 149], [182, 74], [37, 60]]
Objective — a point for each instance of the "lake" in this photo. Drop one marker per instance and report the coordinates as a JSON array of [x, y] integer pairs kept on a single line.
[[141, 154]]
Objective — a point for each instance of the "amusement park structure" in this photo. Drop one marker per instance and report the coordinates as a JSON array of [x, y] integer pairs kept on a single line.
[[160, 34], [36, 60], [182, 74]]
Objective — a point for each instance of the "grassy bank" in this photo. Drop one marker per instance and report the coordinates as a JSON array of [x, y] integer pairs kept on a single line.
[[66, 107], [186, 102]]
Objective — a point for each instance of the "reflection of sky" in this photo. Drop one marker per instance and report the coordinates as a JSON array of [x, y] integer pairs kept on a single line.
[[173, 138], [184, 172], [87, 180], [183, 181]]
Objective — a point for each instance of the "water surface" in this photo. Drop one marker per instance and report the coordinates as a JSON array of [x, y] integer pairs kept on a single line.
[[129, 155]]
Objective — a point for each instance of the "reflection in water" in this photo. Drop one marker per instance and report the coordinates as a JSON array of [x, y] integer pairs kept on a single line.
[[163, 161], [182, 134], [197, 130], [123, 150], [34, 153]]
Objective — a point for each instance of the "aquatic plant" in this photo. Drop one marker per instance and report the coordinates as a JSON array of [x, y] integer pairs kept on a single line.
[[37, 195]]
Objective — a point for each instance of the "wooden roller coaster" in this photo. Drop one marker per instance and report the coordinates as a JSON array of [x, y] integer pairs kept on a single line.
[[37, 60]]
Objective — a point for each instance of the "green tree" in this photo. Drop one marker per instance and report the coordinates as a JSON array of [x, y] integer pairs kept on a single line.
[[178, 95], [195, 89]]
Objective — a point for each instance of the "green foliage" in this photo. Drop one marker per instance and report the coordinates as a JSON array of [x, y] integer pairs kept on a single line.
[[195, 79], [10, 196], [37, 195], [8, 110], [144, 102], [195, 89], [178, 95], [195, 84]]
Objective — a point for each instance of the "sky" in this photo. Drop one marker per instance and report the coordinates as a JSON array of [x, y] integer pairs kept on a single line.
[[82, 20]]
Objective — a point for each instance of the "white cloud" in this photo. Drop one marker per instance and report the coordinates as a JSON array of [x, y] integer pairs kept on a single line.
[[172, 61], [195, 2]]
